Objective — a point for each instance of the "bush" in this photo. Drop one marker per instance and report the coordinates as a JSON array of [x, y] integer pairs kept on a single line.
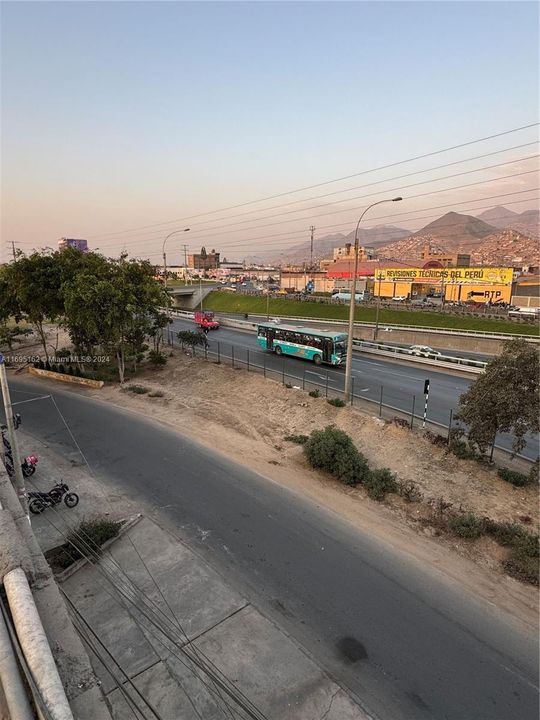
[[70, 370], [137, 389], [298, 439], [314, 393], [409, 491], [155, 393], [336, 402], [505, 533], [47, 365], [157, 358], [288, 385], [512, 476], [85, 540], [467, 525], [380, 482], [334, 451], [78, 372], [62, 369], [522, 568]]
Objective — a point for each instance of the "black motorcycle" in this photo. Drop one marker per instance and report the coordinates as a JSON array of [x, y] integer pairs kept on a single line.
[[40, 501]]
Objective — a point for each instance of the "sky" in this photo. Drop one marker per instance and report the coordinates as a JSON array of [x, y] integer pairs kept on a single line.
[[124, 121]]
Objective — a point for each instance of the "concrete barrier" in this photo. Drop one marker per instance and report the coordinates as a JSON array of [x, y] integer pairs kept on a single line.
[[96, 384]]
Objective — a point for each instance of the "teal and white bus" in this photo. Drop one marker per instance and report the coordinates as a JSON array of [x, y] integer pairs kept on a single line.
[[319, 346]]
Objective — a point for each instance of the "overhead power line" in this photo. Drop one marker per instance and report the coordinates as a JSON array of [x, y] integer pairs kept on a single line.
[[204, 228], [223, 230], [321, 184], [286, 237]]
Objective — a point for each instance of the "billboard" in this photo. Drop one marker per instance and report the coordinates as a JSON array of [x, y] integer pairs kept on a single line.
[[464, 275]]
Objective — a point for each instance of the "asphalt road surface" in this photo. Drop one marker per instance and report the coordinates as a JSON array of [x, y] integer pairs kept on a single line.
[[411, 646], [372, 374]]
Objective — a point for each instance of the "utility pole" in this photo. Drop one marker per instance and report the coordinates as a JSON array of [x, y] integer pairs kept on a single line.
[[312, 229], [18, 478], [13, 248], [185, 256]]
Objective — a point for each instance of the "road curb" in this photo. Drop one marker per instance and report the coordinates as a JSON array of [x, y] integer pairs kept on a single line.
[[71, 379]]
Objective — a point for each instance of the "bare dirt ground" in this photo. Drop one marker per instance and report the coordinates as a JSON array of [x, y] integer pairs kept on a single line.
[[247, 418]]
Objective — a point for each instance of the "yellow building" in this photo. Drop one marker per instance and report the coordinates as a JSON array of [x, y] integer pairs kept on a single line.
[[481, 284]]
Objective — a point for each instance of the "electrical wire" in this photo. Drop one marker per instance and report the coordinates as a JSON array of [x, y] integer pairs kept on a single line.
[[128, 589], [357, 187], [327, 182], [286, 236], [400, 188]]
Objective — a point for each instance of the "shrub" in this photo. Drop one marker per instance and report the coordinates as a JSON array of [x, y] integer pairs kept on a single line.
[[522, 568], [78, 372], [334, 451], [137, 389], [157, 358], [314, 393], [467, 525], [86, 539], [380, 482], [298, 439], [155, 393], [409, 491], [62, 368], [288, 385], [512, 476], [336, 402], [505, 533], [47, 365], [70, 370]]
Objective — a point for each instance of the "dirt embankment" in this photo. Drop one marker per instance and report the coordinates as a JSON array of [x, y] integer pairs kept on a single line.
[[247, 417]]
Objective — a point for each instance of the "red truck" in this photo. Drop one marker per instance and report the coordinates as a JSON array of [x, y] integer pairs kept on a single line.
[[205, 320]]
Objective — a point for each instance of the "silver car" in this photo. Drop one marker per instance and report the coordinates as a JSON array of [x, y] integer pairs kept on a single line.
[[423, 351]]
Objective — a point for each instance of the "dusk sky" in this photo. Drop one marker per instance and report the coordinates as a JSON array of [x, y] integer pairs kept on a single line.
[[117, 116]]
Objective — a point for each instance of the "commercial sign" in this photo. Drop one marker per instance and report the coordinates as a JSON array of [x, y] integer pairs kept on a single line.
[[465, 275]]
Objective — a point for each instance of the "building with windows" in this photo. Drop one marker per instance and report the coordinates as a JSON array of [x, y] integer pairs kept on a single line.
[[204, 260], [78, 244], [434, 259]]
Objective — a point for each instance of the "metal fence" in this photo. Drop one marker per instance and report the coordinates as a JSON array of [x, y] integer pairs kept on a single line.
[[409, 409]]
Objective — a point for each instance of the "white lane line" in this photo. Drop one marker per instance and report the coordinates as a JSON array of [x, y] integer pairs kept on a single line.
[[364, 389]]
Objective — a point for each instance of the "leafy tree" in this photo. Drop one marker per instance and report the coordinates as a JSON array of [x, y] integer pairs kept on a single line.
[[33, 286], [10, 333], [505, 397], [192, 339], [115, 308]]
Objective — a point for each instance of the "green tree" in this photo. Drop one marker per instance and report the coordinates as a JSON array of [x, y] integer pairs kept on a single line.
[[115, 308], [32, 286], [504, 398]]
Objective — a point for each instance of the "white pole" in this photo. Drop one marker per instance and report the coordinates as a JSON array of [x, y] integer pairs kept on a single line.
[[35, 645]]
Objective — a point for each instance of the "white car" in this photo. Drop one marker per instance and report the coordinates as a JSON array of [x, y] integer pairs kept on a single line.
[[423, 351], [399, 298]]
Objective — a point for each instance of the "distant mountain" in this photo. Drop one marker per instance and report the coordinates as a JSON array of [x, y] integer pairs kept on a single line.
[[528, 223], [379, 235], [456, 231], [499, 217]]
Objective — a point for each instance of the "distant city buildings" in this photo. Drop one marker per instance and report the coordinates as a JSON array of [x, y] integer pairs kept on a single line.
[[435, 259], [78, 244]]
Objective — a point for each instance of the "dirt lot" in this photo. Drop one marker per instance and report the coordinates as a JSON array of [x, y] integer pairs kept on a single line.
[[247, 417]]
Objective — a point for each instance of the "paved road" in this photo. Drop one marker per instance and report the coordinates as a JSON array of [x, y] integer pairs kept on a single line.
[[399, 382], [410, 646]]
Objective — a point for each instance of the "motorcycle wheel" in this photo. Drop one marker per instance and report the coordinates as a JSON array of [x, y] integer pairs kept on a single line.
[[36, 506], [71, 499]]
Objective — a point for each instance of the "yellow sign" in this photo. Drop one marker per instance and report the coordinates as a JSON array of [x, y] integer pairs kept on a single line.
[[465, 275]]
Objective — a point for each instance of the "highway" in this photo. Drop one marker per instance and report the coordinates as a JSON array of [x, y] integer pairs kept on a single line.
[[411, 646], [400, 382]]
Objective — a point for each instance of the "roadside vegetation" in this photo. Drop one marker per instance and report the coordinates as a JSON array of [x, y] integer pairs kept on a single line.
[[283, 307], [86, 539], [333, 451], [110, 308]]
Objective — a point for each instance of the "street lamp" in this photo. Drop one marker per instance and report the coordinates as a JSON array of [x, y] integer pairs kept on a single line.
[[348, 365], [163, 251], [376, 330]]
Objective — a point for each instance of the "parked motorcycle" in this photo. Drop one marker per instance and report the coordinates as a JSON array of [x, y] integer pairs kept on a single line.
[[28, 466], [40, 501]]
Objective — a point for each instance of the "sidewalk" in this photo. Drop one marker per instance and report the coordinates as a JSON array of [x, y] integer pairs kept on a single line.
[[250, 650]]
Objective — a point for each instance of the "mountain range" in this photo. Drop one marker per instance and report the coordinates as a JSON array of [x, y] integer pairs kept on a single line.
[[496, 236]]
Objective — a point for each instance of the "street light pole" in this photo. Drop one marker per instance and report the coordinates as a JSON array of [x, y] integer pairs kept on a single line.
[[164, 254], [348, 365], [376, 330]]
